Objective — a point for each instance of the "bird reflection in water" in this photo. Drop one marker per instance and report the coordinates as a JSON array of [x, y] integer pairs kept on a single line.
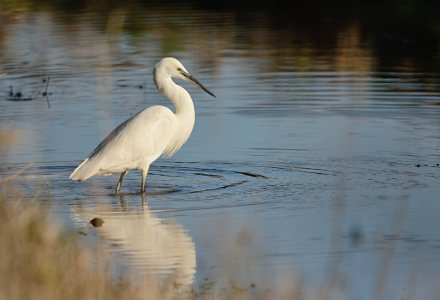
[[153, 245]]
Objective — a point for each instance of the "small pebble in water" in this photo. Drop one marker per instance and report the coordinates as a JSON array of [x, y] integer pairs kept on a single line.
[[97, 222]]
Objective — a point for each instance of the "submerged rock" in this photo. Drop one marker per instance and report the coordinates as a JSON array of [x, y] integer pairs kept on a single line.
[[97, 222]]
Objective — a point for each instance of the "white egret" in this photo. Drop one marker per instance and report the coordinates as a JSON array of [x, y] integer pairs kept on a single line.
[[150, 133]]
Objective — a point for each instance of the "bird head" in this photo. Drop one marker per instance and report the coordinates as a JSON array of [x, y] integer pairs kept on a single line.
[[175, 69]]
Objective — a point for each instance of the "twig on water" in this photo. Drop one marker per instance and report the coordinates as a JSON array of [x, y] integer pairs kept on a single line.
[[17, 96], [45, 94], [47, 85]]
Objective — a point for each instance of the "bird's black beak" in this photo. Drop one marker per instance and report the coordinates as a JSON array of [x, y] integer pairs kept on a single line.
[[196, 82]]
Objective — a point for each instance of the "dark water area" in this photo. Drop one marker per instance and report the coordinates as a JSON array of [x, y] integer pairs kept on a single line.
[[319, 157]]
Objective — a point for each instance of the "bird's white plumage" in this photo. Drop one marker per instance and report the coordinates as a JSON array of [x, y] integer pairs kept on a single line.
[[152, 132]]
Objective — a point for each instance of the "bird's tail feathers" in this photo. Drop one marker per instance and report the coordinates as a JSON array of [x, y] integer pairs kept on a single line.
[[84, 171]]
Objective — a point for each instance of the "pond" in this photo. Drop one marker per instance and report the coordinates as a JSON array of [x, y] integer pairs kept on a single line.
[[318, 159]]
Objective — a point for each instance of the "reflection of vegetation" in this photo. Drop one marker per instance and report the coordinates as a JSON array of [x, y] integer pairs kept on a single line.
[[411, 29], [394, 30]]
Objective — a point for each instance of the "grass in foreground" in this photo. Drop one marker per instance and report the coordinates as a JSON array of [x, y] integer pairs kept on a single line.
[[40, 261]]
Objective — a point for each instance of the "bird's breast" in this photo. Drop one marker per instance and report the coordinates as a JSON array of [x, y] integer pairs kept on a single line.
[[184, 127]]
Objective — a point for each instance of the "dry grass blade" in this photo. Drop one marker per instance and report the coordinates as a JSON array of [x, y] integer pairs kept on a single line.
[[16, 174]]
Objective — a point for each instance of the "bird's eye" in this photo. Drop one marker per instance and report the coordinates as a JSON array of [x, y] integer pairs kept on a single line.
[[179, 69]]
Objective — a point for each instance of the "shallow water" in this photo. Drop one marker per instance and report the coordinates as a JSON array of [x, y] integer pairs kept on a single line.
[[316, 158]]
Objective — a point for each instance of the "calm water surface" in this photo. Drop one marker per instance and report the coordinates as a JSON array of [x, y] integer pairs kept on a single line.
[[318, 161]]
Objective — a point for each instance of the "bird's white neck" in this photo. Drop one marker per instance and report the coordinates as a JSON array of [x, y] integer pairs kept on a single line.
[[178, 96], [182, 102]]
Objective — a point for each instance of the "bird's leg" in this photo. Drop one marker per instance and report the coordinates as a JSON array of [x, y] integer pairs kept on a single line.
[[144, 177], [120, 181], [144, 201]]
